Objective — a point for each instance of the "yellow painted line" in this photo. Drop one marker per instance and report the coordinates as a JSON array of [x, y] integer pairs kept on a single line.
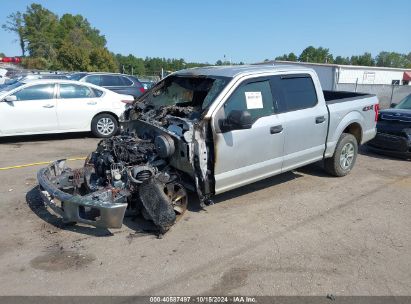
[[39, 163]]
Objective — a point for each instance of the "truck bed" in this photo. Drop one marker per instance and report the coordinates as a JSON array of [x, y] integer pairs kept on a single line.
[[332, 97]]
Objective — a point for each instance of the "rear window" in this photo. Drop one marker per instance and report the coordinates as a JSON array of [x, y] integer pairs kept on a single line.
[[68, 91], [298, 92]]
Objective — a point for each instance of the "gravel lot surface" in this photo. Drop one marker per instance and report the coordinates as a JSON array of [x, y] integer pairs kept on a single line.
[[300, 233]]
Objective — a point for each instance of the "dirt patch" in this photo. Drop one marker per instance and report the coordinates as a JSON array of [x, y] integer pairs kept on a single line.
[[62, 260], [233, 278]]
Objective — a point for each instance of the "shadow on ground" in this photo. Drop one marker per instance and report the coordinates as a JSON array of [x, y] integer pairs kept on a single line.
[[367, 151], [44, 137], [143, 227], [36, 204]]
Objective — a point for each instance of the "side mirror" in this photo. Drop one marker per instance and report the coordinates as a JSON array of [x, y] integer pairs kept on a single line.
[[10, 98], [236, 120], [393, 105]]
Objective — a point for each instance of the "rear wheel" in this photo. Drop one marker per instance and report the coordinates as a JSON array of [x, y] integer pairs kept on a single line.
[[104, 125], [345, 155]]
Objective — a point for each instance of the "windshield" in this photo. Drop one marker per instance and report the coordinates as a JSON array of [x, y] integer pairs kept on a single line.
[[184, 91], [405, 103]]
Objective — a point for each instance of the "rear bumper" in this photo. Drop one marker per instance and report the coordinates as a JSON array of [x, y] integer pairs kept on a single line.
[[391, 145], [104, 208]]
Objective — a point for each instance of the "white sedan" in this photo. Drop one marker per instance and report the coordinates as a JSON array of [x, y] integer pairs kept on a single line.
[[59, 106]]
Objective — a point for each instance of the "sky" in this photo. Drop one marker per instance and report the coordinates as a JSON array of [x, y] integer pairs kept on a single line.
[[248, 31]]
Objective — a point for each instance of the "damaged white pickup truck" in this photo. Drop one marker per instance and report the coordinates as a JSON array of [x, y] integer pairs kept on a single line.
[[209, 130]]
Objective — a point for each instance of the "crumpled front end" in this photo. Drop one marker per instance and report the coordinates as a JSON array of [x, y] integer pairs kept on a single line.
[[146, 174], [60, 188]]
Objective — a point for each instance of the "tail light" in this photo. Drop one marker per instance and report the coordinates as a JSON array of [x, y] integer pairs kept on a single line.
[[127, 101], [142, 90], [377, 111]]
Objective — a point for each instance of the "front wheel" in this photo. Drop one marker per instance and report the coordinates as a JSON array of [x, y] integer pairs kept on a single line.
[[345, 155], [104, 125]]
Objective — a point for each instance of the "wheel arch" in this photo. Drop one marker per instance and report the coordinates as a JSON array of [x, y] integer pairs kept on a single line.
[[352, 124], [105, 112]]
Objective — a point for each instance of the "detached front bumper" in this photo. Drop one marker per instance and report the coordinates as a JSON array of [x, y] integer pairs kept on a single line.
[[58, 187], [390, 144]]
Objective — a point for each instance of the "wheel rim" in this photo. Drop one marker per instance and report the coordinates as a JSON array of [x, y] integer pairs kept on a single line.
[[347, 156], [178, 198], [105, 126]]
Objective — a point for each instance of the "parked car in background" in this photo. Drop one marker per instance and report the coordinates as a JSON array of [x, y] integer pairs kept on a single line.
[[24, 77], [119, 83], [58, 106], [147, 84], [394, 130]]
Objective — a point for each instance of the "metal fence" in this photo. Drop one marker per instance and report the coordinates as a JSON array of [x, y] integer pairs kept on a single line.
[[386, 94]]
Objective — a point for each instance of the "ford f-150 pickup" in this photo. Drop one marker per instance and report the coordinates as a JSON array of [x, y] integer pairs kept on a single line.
[[210, 130]]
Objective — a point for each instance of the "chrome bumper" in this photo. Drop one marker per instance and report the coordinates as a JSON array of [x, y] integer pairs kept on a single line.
[[104, 208]]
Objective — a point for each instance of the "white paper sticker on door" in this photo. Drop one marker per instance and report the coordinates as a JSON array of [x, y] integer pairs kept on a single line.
[[254, 100]]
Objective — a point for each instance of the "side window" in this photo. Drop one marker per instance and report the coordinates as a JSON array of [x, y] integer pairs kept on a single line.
[[75, 91], [255, 97], [94, 79], [36, 92], [298, 92], [126, 81], [111, 81]]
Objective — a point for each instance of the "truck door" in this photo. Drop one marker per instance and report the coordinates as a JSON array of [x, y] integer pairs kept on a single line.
[[305, 120], [245, 155]]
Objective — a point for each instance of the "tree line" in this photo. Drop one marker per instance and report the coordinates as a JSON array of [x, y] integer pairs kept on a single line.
[[323, 55], [70, 43]]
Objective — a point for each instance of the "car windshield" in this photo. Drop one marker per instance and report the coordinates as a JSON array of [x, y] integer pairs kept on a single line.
[[405, 103], [184, 91]]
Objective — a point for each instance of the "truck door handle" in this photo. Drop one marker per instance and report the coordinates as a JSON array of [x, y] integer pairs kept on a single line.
[[319, 119], [276, 129], [92, 103], [48, 106]]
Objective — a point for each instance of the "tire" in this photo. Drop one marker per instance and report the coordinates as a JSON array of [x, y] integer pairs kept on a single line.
[[104, 125], [345, 155]]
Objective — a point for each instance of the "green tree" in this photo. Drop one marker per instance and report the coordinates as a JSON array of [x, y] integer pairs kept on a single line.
[[102, 60], [73, 58], [131, 64], [15, 24], [40, 32], [36, 63], [392, 59], [366, 60], [76, 23], [290, 57], [342, 60], [2, 55], [317, 55]]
